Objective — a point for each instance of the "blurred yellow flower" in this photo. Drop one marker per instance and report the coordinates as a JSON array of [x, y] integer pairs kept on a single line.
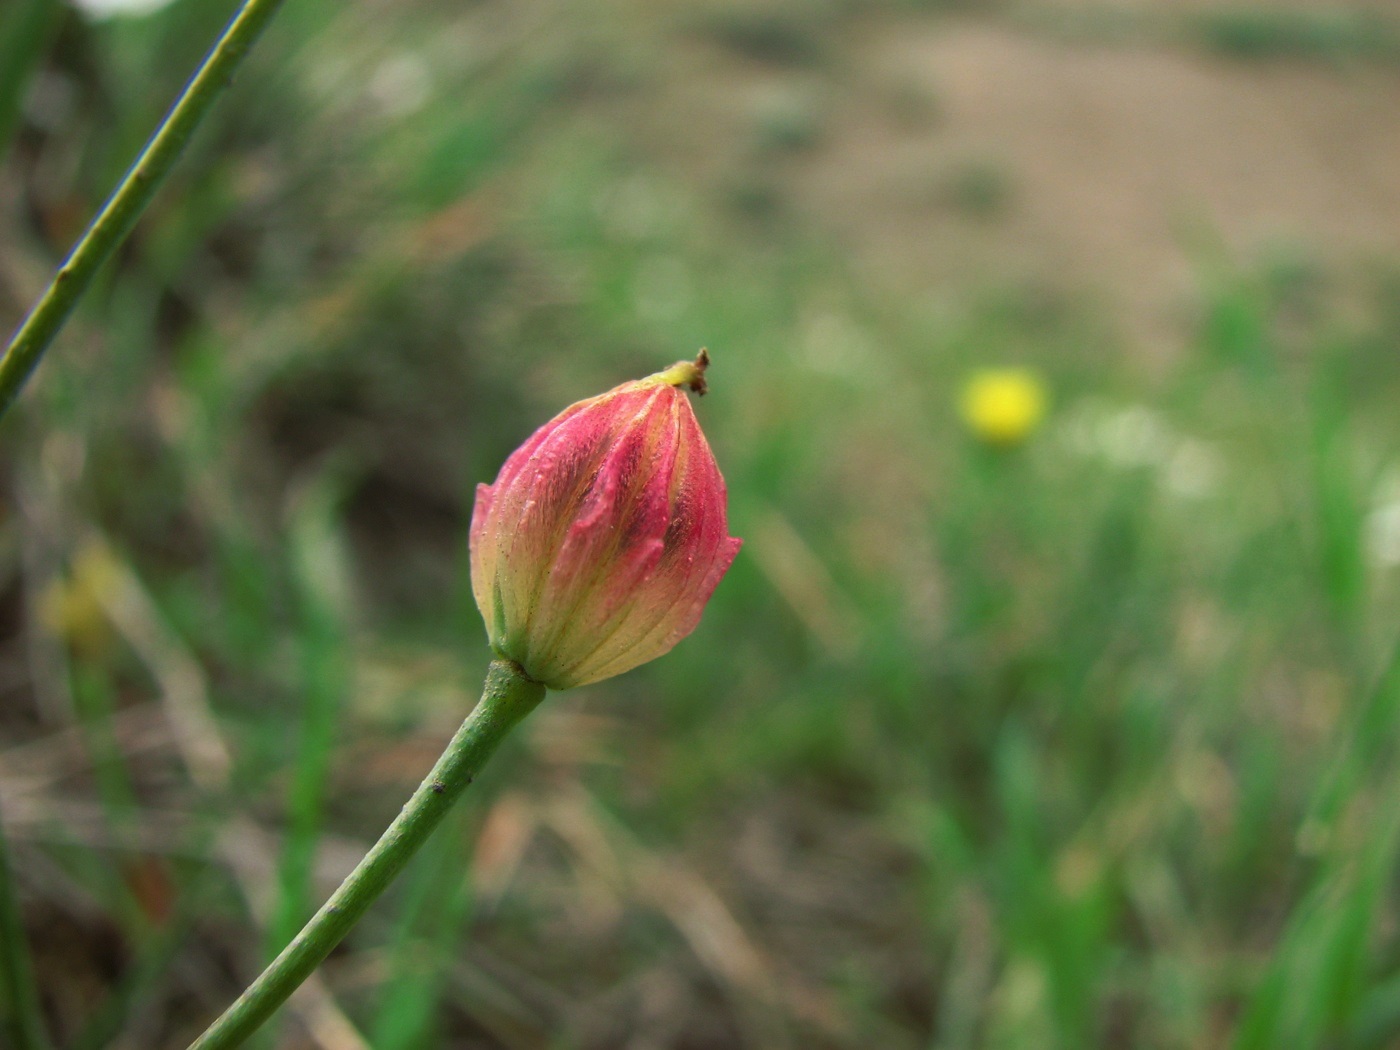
[[72, 607], [1002, 406]]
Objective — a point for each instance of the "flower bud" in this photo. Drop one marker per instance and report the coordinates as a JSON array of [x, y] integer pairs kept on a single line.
[[604, 535]]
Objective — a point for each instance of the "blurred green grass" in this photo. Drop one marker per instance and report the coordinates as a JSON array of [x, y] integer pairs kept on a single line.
[[1086, 743]]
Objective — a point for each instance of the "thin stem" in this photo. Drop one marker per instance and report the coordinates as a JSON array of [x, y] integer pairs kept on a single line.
[[508, 697], [120, 213], [19, 999]]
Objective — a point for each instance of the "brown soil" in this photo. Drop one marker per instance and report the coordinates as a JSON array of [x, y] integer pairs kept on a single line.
[[1117, 159], [996, 151]]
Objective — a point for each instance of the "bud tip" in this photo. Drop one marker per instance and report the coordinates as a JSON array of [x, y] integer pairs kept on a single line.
[[688, 374]]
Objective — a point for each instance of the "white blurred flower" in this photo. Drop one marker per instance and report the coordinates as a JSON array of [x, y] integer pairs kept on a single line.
[[1135, 436], [118, 8], [1383, 535]]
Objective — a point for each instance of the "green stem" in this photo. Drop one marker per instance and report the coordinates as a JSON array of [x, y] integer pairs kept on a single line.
[[120, 213], [508, 697], [19, 999]]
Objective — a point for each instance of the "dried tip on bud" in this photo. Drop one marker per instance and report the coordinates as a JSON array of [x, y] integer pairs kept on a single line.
[[604, 535], [687, 374]]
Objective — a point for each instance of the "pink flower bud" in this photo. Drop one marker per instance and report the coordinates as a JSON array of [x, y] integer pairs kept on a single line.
[[604, 535]]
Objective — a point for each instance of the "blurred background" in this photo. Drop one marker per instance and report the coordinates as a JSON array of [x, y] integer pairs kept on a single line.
[[1047, 706]]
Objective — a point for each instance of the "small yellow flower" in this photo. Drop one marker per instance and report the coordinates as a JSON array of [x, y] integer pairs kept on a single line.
[[1002, 406], [72, 606]]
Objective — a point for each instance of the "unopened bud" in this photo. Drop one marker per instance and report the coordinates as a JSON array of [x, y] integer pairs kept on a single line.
[[604, 535]]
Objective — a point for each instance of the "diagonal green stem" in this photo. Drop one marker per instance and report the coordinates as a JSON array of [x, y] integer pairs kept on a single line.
[[508, 697], [20, 1015], [120, 213]]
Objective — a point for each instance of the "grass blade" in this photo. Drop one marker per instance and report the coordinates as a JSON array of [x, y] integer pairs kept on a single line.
[[135, 192], [19, 998]]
